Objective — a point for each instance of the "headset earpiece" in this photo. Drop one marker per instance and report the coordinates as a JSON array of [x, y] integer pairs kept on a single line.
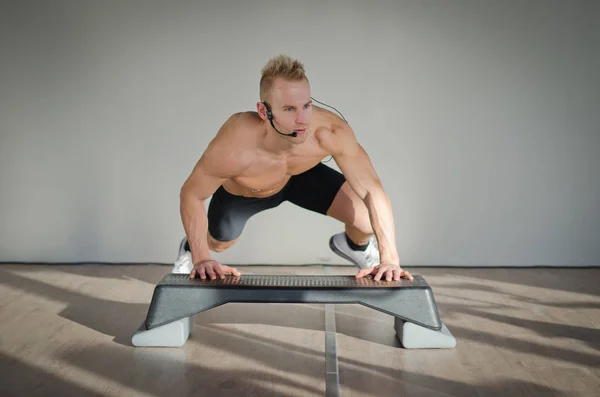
[[269, 114]]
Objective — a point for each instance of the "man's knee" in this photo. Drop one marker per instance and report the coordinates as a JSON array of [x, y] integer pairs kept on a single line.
[[219, 246]]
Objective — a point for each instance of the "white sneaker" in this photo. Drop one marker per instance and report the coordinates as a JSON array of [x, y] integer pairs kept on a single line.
[[183, 264], [361, 259]]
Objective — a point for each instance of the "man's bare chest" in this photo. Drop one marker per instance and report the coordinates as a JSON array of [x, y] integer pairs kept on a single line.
[[270, 173]]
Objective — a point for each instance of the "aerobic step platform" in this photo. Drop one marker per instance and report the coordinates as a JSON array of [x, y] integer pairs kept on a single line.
[[177, 298]]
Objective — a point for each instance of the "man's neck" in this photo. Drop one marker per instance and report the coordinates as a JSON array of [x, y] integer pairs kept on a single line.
[[275, 142]]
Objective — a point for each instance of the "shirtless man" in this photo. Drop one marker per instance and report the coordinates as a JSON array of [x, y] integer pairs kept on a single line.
[[259, 159]]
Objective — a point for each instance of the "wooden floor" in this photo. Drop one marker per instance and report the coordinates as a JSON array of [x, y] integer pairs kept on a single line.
[[66, 331]]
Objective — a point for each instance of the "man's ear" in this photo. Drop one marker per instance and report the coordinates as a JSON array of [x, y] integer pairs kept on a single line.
[[261, 109]]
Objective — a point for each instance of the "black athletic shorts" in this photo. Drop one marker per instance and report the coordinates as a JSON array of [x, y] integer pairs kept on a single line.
[[314, 190]]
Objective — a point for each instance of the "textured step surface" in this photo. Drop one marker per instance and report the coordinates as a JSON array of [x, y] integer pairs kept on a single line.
[[291, 281]]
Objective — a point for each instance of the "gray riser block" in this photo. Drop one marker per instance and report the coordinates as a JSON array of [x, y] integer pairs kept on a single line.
[[173, 334], [413, 336]]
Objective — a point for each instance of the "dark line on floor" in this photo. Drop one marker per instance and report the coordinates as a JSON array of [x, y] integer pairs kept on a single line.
[[332, 376]]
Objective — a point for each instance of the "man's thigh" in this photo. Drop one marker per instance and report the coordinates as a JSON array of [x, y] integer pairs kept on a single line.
[[315, 189], [229, 213]]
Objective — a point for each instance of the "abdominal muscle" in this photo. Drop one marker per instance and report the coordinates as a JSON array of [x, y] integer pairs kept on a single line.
[[238, 189]]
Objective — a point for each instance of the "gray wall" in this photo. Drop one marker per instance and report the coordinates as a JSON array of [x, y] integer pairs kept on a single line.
[[481, 117]]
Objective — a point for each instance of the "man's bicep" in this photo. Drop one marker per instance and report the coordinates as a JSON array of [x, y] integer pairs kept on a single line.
[[355, 164], [217, 164], [202, 183], [224, 158]]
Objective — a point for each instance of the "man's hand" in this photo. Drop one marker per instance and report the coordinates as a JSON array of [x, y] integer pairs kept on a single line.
[[390, 270], [212, 269]]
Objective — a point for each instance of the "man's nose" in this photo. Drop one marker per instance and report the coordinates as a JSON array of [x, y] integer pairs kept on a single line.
[[301, 118]]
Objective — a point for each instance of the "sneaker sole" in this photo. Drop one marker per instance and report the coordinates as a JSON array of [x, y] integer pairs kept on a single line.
[[340, 253]]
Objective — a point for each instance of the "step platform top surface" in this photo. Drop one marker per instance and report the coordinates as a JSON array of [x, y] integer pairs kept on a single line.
[[291, 281]]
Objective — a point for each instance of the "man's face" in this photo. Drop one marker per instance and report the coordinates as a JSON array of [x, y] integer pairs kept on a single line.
[[291, 106]]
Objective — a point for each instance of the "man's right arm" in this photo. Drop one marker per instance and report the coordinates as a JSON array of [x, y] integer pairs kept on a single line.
[[223, 159], [198, 187]]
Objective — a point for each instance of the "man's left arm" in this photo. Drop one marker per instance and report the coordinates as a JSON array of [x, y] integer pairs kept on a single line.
[[358, 170]]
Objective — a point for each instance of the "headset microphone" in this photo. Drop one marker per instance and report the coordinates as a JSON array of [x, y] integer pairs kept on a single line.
[[270, 117]]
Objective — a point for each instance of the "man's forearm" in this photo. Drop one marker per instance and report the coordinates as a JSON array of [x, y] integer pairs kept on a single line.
[[195, 223], [382, 221]]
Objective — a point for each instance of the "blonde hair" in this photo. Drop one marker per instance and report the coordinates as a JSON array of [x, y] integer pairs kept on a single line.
[[281, 66]]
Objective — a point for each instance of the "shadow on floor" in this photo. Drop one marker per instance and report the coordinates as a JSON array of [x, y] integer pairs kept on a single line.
[[22, 379], [156, 372]]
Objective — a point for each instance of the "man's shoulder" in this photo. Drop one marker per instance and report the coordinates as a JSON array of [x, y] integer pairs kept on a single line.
[[247, 119], [333, 131], [234, 144], [239, 126]]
